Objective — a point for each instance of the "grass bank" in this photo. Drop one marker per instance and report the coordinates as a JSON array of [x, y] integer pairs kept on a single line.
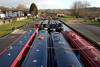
[[6, 29], [92, 23], [66, 18]]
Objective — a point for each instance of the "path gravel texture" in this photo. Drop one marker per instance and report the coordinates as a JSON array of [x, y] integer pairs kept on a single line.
[[9, 39], [92, 32]]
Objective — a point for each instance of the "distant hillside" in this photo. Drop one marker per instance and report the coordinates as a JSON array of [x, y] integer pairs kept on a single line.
[[64, 11]]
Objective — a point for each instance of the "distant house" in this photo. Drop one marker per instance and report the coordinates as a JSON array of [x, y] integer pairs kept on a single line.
[[60, 15], [2, 15], [26, 13], [97, 19], [12, 13]]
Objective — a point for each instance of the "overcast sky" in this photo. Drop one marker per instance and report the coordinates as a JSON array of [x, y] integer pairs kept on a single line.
[[46, 4]]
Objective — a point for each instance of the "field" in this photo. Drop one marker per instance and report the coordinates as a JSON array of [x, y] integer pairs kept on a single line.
[[92, 23], [6, 29], [66, 18]]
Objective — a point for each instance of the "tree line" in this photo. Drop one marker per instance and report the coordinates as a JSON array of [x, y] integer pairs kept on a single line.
[[83, 10], [33, 10]]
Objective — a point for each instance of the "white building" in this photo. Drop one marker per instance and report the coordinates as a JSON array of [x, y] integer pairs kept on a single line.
[[2, 15], [13, 13]]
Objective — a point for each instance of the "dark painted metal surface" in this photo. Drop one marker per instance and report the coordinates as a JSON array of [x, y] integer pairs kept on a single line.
[[37, 55], [65, 28], [37, 24], [59, 26], [45, 24], [52, 24], [7, 57], [63, 54]]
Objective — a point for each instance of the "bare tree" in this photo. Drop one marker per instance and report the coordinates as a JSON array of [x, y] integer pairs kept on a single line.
[[4, 8], [95, 12], [21, 7], [84, 10], [80, 8], [77, 5]]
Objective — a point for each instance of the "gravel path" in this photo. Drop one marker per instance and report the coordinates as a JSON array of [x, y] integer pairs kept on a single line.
[[6, 41], [93, 32]]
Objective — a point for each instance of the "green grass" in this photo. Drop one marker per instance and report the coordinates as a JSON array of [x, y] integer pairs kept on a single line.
[[79, 19], [63, 19], [6, 29], [92, 23], [66, 18]]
